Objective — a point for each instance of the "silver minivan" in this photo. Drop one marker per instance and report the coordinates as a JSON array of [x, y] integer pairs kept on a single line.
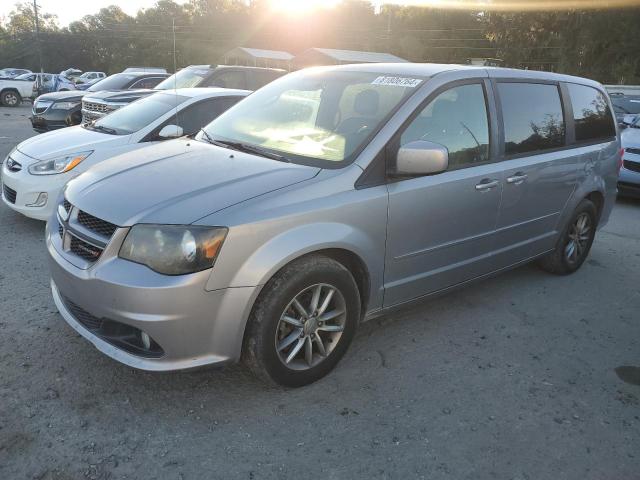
[[324, 199]]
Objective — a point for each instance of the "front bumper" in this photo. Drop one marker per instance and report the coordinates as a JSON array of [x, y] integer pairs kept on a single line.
[[28, 187], [193, 327]]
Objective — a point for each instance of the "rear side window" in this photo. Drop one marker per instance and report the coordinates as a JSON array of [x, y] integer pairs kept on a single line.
[[533, 118], [591, 113]]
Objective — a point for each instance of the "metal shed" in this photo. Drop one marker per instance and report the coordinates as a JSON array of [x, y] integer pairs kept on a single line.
[[256, 57], [330, 56]]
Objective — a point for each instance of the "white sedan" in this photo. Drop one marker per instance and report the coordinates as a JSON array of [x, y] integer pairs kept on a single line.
[[35, 172]]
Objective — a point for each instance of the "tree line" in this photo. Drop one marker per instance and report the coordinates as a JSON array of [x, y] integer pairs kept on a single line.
[[599, 44]]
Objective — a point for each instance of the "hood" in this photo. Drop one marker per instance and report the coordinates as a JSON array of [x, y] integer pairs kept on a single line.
[[178, 182], [66, 141], [630, 137], [119, 96], [69, 95]]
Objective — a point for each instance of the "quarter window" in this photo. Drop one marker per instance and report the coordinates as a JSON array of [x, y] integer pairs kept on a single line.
[[533, 118], [456, 119], [591, 113]]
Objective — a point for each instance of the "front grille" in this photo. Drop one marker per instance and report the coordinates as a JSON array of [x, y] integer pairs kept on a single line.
[[85, 250], [96, 107], [96, 225], [66, 204], [91, 322], [635, 151], [633, 166], [9, 194]]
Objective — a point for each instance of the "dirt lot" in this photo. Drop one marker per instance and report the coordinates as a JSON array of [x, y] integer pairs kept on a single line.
[[513, 378]]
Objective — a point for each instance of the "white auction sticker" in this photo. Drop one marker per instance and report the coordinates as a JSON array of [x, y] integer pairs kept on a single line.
[[397, 81]]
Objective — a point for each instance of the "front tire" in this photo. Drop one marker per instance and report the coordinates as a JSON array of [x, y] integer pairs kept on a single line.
[[575, 242], [302, 322]]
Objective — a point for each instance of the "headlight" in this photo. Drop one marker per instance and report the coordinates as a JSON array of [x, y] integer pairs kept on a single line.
[[58, 165], [64, 105], [173, 249]]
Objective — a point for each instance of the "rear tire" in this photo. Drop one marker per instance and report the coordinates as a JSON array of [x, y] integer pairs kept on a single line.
[[296, 344], [575, 242], [10, 98]]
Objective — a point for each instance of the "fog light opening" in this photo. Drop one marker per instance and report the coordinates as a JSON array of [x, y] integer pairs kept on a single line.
[[41, 201], [146, 341]]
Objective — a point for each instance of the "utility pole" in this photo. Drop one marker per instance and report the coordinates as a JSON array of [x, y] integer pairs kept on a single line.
[[35, 11]]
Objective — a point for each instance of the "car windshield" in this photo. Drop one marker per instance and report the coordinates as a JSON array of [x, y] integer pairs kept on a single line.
[[137, 115], [314, 117], [112, 82], [185, 78], [626, 104]]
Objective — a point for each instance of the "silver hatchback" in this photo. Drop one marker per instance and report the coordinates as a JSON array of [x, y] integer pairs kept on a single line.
[[328, 197]]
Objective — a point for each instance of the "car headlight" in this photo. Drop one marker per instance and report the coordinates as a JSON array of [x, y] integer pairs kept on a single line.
[[58, 165], [173, 249], [64, 105]]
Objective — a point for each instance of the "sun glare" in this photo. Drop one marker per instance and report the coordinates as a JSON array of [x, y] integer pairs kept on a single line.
[[297, 7]]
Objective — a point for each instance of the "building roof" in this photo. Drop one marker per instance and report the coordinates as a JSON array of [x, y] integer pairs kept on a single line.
[[357, 56], [259, 53]]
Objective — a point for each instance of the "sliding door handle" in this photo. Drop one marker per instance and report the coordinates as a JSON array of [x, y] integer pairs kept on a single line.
[[487, 184]]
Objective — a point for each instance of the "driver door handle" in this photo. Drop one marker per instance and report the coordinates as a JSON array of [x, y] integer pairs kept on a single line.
[[487, 184], [517, 179]]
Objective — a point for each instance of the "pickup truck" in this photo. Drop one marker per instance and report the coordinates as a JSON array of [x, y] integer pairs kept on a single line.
[[13, 91]]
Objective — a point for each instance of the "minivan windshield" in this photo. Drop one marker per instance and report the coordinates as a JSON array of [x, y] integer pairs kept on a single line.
[[185, 78], [136, 115], [112, 82], [314, 117]]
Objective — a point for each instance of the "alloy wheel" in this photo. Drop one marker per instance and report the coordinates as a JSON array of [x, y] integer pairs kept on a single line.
[[310, 327], [11, 99], [579, 235]]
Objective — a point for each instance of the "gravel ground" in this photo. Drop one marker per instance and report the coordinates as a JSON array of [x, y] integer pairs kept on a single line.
[[512, 378]]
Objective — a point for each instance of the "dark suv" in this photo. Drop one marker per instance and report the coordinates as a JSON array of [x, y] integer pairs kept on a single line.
[[62, 109], [97, 105], [226, 76]]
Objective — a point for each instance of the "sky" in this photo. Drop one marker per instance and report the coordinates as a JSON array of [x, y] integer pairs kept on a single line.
[[70, 10]]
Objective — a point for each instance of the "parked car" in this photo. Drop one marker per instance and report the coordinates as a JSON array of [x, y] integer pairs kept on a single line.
[[8, 73], [12, 91], [324, 199], [86, 85], [87, 77], [37, 169], [626, 107], [47, 83], [251, 78], [97, 104], [63, 109], [71, 73], [145, 69], [629, 180], [246, 78]]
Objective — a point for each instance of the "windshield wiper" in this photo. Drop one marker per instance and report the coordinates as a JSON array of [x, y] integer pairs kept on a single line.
[[104, 129], [208, 137], [244, 147]]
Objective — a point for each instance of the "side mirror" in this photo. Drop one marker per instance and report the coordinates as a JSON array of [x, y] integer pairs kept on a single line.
[[421, 158], [170, 131]]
